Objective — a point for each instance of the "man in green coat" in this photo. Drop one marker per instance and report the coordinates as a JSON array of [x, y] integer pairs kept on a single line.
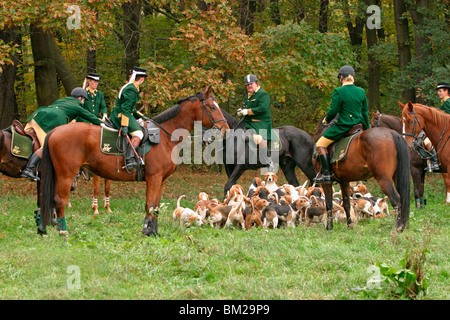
[[124, 115], [95, 101], [256, 112], [44, 119], [350, 102]]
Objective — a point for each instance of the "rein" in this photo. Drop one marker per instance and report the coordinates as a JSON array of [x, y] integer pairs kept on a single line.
[[415, 136]]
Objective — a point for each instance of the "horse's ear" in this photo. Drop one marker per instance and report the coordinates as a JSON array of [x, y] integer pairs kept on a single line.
[[410, 106], [401, 105], [208, 91]]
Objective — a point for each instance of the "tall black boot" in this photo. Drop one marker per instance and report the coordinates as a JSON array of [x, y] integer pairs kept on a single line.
[[27, 172], [324, 158], [434, 162], [131, 160]]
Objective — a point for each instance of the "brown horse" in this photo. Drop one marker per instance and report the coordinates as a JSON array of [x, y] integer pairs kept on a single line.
[[381, 153], [436, 124], [417, 164], [75, 145]]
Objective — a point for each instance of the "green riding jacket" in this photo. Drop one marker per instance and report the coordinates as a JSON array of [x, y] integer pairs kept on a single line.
[[350, 103], [126, 106], [62, 111], [261, 120]]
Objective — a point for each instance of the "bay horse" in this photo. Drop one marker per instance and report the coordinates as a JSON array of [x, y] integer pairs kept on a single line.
[[75, 145], [380, 153], [417, 163], [296, 150], [436, 125]]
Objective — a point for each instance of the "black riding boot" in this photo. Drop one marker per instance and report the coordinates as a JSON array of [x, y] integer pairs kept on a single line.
[[324, 158], [265, 158], [27, 172], [434, 162], [131, 160]]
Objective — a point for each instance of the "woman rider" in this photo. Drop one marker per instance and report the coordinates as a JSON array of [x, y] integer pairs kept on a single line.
[[350, 102]]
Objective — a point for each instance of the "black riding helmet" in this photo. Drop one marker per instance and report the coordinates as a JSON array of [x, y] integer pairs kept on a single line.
[[346, 71], [79, 92]]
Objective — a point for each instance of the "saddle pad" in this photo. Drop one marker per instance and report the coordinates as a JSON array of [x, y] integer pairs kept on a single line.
[[21, 146], [108, 141], [341, 148]]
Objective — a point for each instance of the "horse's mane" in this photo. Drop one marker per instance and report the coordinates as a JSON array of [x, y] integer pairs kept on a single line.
[[232, 121], [175, 109], [439, 117]]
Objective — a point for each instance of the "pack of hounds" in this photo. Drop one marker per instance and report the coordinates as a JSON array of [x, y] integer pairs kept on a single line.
[[268, 205]]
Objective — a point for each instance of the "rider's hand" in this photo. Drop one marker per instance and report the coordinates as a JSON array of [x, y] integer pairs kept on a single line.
[[124, 131], [324, 121], [242, 112]]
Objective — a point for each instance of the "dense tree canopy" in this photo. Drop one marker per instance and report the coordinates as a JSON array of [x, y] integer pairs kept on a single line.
[[399, 49]]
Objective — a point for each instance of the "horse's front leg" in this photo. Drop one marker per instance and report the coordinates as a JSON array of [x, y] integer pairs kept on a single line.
[[154, 190], [345, 191], [328, 203]]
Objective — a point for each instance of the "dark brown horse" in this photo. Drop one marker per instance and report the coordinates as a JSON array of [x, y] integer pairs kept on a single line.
[[417, 164], [380, 153], [436, 124], [71, 146]]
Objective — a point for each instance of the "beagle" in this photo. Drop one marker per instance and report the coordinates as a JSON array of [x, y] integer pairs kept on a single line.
[[186, 216], [254, 217], [363, 207], [271, 181], [233, 194], [256, 182], [236, 216]]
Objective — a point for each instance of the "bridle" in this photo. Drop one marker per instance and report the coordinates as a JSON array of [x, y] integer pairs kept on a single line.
[[213, 126], [420, 136], [213, 122]]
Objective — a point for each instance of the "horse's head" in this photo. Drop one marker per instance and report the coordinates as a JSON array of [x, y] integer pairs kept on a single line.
[[411, 122], [375, 121], [208, 111]]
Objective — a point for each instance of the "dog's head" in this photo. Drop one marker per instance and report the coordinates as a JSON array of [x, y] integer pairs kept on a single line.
[[258, 182], [314, 191], [271, 177], [361, 188], [203, 196], [302, 202], [286, 200]]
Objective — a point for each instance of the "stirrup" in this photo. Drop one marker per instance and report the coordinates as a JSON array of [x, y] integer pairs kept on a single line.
[[29, 174], [323, 178]]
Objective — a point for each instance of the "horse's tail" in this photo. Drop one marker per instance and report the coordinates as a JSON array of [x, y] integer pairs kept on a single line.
[[403, 179], [47, 189]]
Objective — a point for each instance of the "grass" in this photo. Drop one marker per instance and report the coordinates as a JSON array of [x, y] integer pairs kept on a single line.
[[113, 260]]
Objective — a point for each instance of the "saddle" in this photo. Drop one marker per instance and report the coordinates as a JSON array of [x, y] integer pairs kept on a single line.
[[19, 128], [338, 149]]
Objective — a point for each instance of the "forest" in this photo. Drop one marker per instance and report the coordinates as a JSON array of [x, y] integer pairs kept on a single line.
[[399, 49]]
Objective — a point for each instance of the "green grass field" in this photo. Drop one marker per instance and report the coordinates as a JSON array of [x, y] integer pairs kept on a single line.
[[107, 257]]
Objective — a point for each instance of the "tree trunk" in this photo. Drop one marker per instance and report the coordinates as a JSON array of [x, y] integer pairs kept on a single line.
[[355, 30], [63, 70], [8, 103], [247, 10], [275, 14], [323, 16], [131, 39], [45, 70], [422, 49], [403, 44]]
